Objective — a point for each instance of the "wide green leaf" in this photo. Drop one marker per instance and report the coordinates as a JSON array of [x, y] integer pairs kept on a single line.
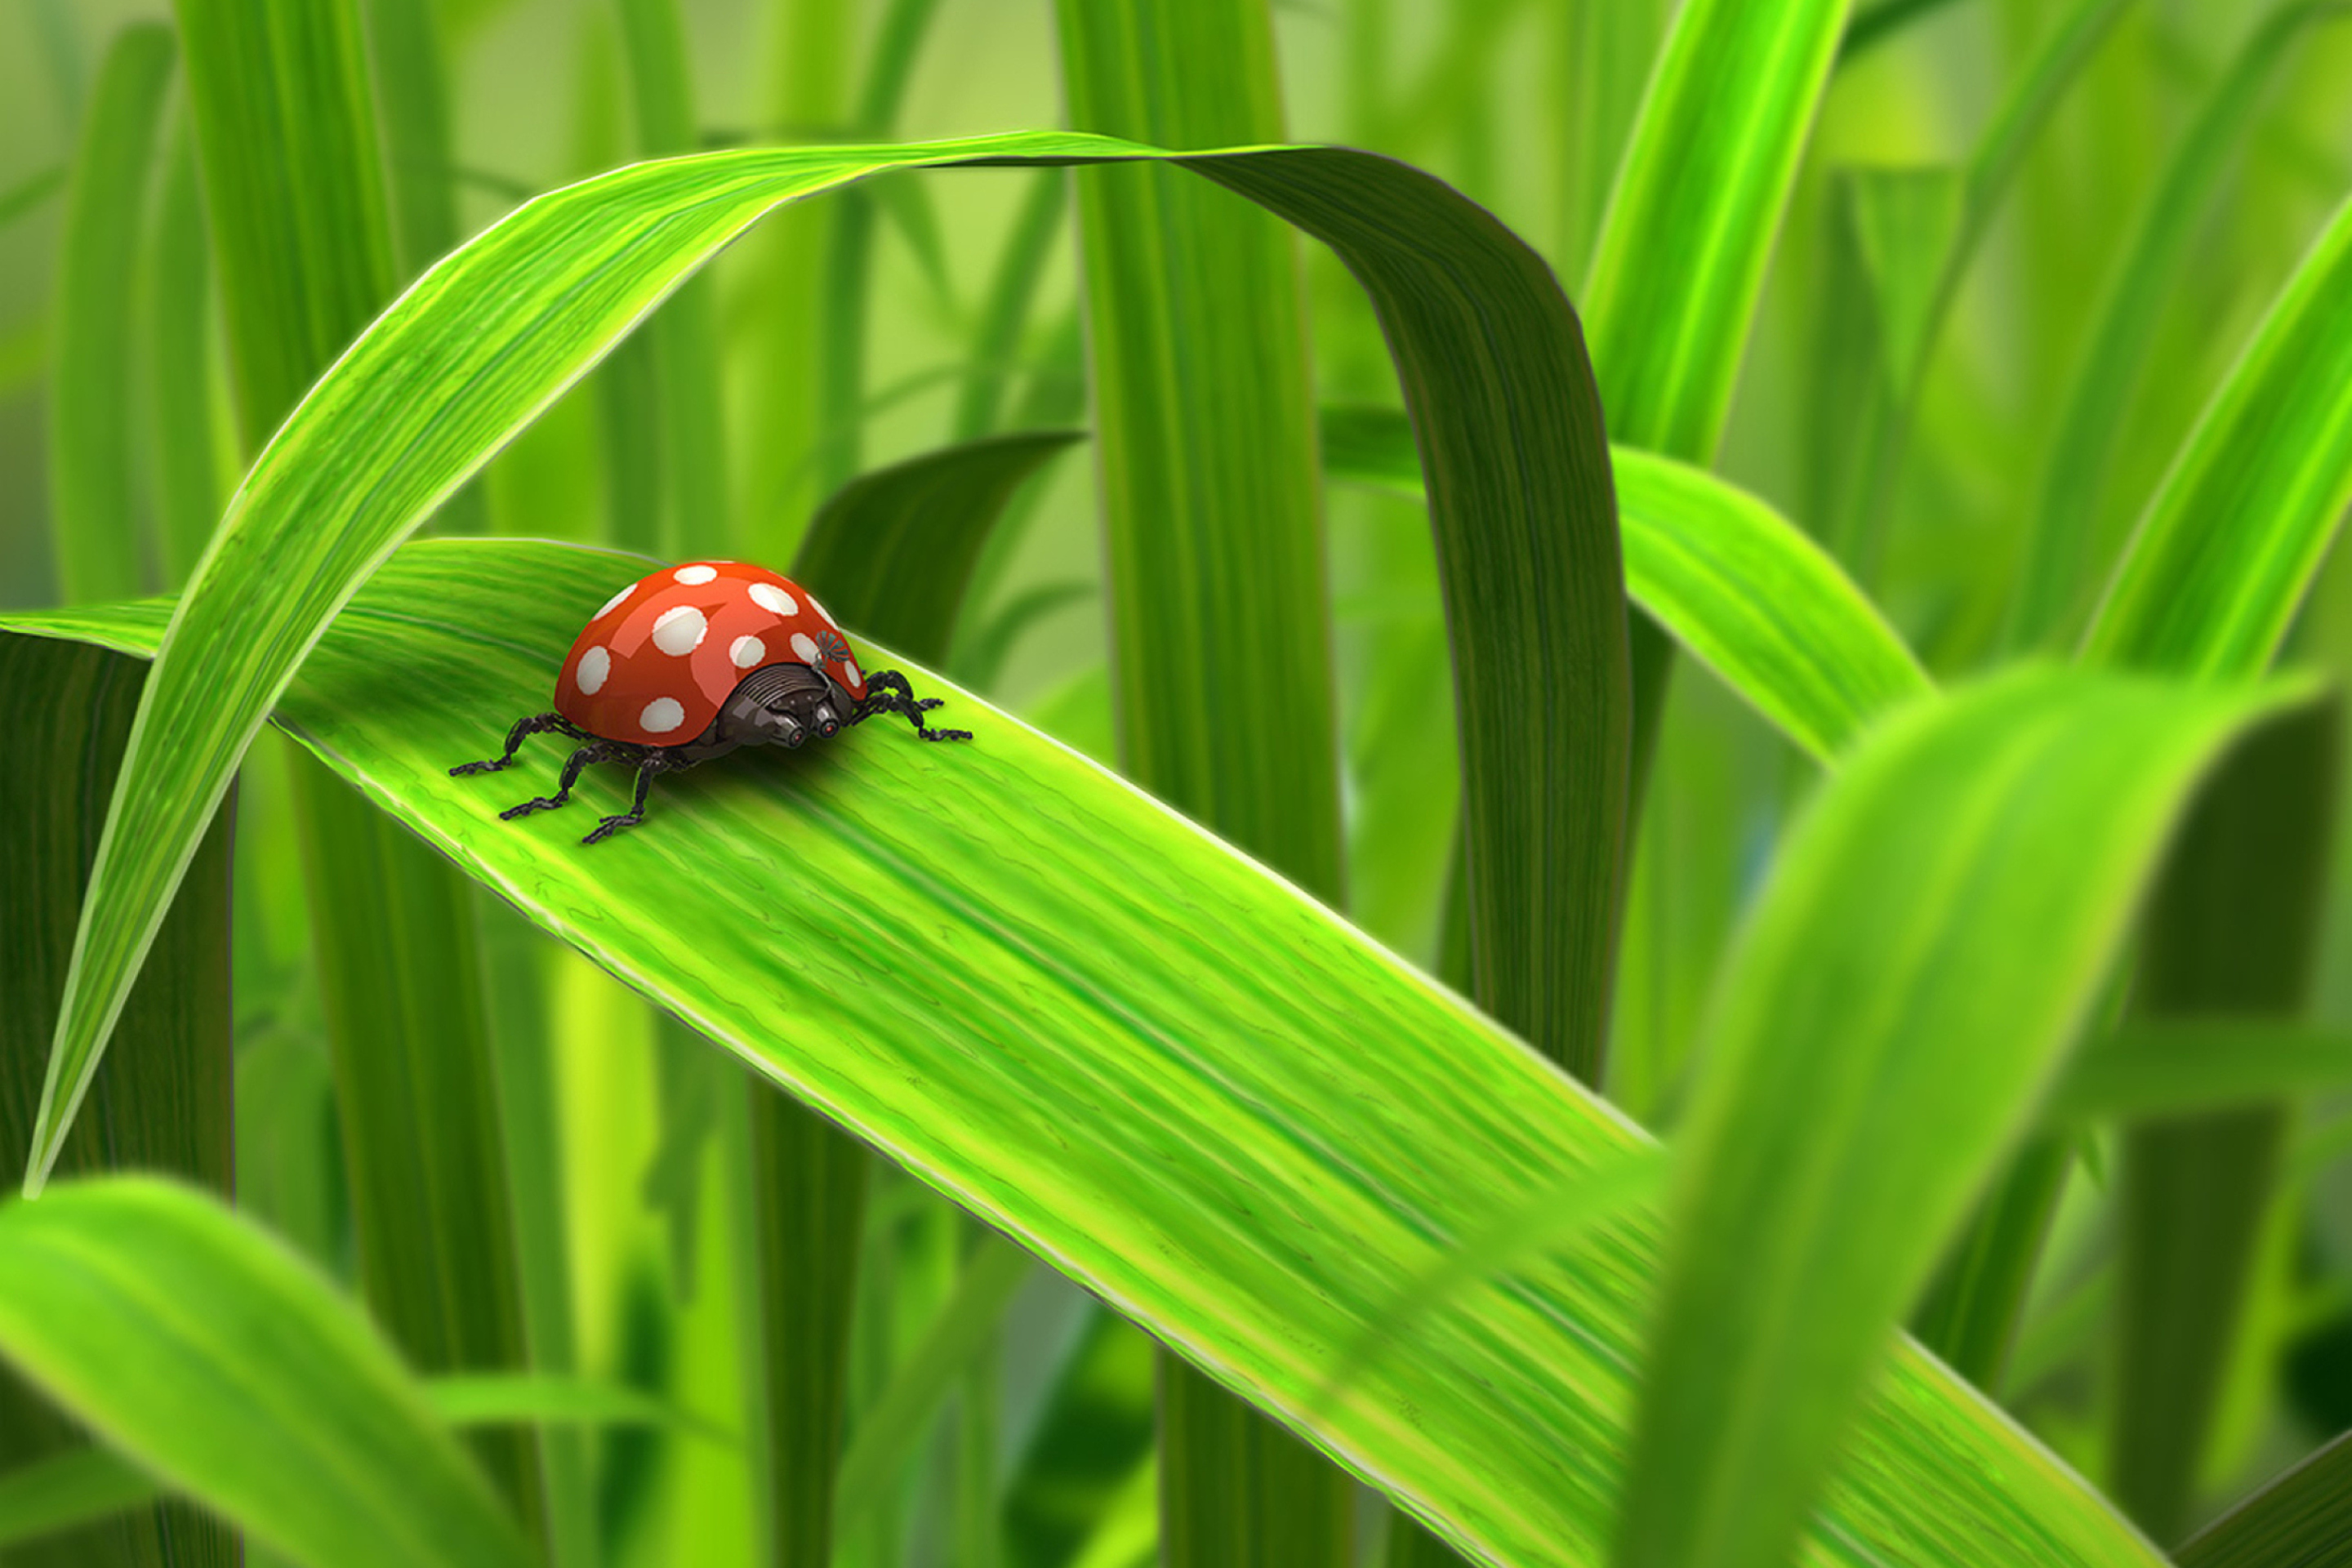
[[1728, 577], [1086, 992], [2231, 542], [223, 1364], [1906, 986]]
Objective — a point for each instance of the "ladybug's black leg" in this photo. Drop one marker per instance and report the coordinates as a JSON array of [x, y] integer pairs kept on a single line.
[[600, 752], [523, 731], [636, 812], [887, 691]]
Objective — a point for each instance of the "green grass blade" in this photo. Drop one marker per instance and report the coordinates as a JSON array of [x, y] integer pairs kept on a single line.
[[1117, 978], [293, 186], [1690, 225], [894, 1430], [2232, 540], [26, 195], [2301, 1520], [71, 1488], [82, 1485], [1011, 294], [1697, 204], [1911, 968], [93, 429], [1730, 579], [809, 1191], [1093, 1436], [1223, 688], [1205, 441], [2152, 1069], [183, 366], [217, 1360], [893, 550], [2059, 539], [683, 340], [1875, 23], [285, 120], [165, 1102], [2234, 927]]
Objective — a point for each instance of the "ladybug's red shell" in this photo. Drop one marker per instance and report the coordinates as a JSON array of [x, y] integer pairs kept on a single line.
[[656, 664]]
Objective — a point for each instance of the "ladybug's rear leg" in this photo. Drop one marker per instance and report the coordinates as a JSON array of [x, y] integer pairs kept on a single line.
[[600, 752], [887, 691], [652, 765], [523, 731]]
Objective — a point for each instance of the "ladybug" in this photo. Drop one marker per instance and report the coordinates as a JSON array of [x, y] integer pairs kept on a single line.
[[690, 662]]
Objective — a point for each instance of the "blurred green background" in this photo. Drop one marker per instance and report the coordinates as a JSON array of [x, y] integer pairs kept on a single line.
[[1521, 104]]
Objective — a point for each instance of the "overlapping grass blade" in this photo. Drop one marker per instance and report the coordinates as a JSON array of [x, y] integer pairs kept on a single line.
[[893, 550], [2059, 540], [2230, 541], [895, 1427], [1697, 204], [85, 1485], [2234, 927], [1092, 1438], [182, 368], [1945, 223], [2301, 1520], [1223, 688], [201, 1348], [1690, 225], [2155, 1069], [164, 1103], [1095, 992], [1728, 577], [1908, 983], [94, 429]]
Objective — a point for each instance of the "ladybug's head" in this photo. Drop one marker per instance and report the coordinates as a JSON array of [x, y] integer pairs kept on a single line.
[[782, 705]]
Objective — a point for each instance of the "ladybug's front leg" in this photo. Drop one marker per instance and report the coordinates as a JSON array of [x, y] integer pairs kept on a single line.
[[887, 691], [523, 731], [636, 812], [599, 753]]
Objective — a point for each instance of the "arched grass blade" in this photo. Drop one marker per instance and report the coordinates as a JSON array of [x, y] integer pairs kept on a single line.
[[222, 1362], [1089, 994], [1906, 986], [488, 338]]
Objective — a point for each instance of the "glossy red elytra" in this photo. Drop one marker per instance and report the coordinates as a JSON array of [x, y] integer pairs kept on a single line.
[[690, 662]]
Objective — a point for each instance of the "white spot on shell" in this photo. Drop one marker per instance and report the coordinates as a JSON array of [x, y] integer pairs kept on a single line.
[[820, 609], [747, 652], [804, 649], [661, 716], [695, 577], [768, 596], [680, 631], [594, 666], [849, 676], [615, 602]]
